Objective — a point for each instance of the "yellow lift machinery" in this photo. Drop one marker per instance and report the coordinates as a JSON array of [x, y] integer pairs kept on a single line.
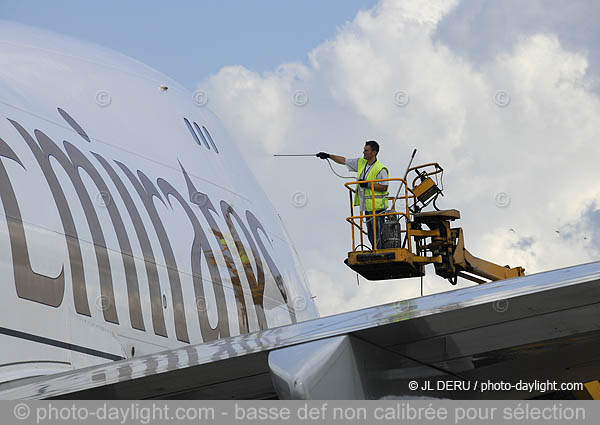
[[411, 237], [405, 246]]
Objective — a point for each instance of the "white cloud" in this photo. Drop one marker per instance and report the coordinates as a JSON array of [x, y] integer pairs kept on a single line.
[[480, 29], [524, 124]]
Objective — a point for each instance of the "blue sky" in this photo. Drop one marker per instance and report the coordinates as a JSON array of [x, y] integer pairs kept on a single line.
[[188, 40]]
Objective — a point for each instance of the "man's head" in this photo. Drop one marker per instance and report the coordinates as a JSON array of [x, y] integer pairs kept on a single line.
[[371, 150]]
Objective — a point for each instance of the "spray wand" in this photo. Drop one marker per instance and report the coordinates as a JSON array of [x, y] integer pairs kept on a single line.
[[314, 154]]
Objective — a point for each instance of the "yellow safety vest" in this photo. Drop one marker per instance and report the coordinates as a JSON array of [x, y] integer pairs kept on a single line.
[[380, 197]]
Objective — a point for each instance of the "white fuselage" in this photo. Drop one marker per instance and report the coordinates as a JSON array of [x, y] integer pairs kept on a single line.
[[130, 224]]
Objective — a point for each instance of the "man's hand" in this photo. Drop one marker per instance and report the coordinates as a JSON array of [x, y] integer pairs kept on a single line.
[[364, 185], [335, 158]]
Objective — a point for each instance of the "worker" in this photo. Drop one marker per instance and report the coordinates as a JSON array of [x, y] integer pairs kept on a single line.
[[367, 168]]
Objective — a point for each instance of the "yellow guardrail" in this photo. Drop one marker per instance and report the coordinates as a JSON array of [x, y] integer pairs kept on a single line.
[[357, 220]]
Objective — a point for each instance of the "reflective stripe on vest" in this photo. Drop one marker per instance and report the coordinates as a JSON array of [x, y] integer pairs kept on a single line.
[[380, 201]]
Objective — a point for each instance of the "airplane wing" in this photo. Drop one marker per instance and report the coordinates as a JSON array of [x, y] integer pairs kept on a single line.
[[538, 328]]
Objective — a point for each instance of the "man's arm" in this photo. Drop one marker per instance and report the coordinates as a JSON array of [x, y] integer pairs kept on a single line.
[[381, 175], [380, 187], [338, 159]]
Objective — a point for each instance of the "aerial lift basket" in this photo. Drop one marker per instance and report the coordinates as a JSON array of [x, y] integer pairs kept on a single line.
[[402, 247]]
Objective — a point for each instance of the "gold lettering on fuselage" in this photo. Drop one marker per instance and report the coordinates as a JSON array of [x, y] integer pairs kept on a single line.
[[50, 290]]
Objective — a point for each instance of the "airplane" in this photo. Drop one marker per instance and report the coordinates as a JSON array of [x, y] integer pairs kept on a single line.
[[131, 223], [141, 259]]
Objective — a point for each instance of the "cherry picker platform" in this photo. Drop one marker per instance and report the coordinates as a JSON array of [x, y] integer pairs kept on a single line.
[[412, 236]]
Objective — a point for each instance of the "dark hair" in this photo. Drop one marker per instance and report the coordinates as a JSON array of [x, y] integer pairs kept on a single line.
[[374, 145]]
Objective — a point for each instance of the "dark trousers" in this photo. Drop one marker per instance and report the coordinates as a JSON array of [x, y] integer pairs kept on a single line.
[[378, 227]]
